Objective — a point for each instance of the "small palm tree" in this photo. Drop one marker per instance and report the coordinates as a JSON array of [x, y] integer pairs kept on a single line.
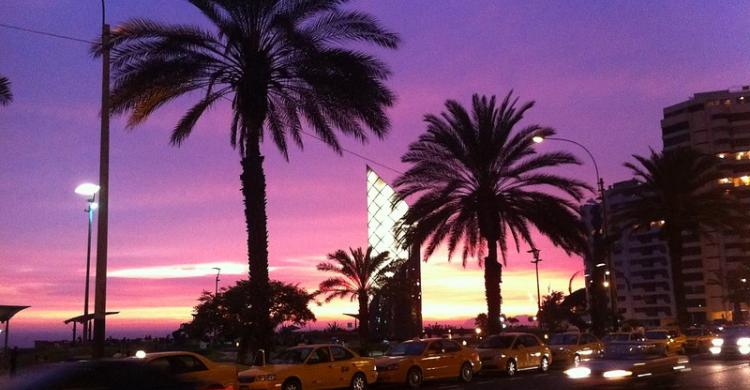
[[359, 276], [5, 95], [479, 183], [679, 191], [281, 64]]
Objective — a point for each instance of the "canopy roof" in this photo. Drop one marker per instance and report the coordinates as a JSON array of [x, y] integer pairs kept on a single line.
[[7, 312], [88, 317]]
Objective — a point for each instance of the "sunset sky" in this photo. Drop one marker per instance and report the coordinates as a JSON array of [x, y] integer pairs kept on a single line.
[[599, 72]]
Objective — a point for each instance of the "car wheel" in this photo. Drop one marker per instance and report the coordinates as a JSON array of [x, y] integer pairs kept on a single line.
[[291, 384], [414, 378], [467, 373], [359, 382], [576, 360], [544, 364], [511, 368]]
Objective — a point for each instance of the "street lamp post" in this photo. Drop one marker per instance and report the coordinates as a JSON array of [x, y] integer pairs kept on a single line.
[[216, 284], [535, 253], [605, 222], [88, 190]]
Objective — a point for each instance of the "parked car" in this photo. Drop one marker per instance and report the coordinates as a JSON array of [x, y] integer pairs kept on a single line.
[[311, 367], [698, 339], [193, 367], [122, 374], [413, 362], [513, 352], [669, 341], [628, 363], [574, 347]]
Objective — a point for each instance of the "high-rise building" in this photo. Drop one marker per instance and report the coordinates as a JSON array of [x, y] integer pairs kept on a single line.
[[640, 259], [715, 123], [397, 311]]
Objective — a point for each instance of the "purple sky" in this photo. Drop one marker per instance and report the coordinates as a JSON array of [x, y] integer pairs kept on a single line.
[[599, 72]]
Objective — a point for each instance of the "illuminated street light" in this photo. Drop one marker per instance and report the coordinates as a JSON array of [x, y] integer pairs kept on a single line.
[[606, 284], [538, 139], [88, 190], [478, 331]]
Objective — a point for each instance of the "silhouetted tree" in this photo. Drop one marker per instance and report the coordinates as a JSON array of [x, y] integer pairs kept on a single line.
[[5, 95], [481, 322], [679, 192], [358, 276], [735, 287], [280, 63], [230, 313], [479, 183]]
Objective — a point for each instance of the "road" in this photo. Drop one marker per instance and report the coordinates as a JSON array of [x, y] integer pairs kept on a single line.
[[705, 373]]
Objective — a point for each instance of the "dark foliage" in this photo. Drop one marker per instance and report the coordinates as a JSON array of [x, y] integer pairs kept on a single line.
[[679, 193], [479, 182], [359, 275], [5, 95], [281, 64]]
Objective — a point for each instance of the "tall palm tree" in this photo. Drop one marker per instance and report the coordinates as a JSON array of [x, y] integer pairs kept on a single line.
[[281, 64], [480, 183], [679, 190], [358, 276], [5, 95]]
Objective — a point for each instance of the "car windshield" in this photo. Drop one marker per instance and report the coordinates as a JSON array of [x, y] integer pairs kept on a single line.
[[564, 339], [737, 331], [414, 348], [500, 342], [694, 332], [657, 335], [292, 356], [617, 337], [630, 351]]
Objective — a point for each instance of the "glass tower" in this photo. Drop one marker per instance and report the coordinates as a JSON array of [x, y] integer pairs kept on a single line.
[[399, 309]]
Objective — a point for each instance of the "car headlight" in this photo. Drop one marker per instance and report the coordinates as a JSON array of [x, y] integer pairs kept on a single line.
[[614, 374], [265, 378], [715, 350], [717, 342], [578, 372], [743, 341]]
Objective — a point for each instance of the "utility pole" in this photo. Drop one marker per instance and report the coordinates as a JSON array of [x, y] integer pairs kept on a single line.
[[100, 294]]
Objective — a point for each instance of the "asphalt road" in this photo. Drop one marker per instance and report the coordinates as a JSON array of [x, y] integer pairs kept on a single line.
[[705, 373]]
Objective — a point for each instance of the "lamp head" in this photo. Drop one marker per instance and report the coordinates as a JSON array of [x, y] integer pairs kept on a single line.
[[87, 189], [537, 139]]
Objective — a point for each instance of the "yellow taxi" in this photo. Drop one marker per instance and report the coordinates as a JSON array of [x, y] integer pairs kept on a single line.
[[574, 347], [310, 367], [415, 361], [670, 341], [193, 367], [698, 339], [513, 352]]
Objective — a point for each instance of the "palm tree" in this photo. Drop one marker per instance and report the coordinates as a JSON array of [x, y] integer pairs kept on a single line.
[[735, 286], [359, 275], [479, 182], [679, 190], [5, 95], [280, 63]]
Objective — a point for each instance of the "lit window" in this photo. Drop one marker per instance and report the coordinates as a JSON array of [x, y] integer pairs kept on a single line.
[[725, 180]]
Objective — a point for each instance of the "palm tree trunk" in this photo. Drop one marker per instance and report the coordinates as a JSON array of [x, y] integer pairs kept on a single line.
[[364, 319], [254, 193], [737, 312], [674, 243], [492, 278]]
